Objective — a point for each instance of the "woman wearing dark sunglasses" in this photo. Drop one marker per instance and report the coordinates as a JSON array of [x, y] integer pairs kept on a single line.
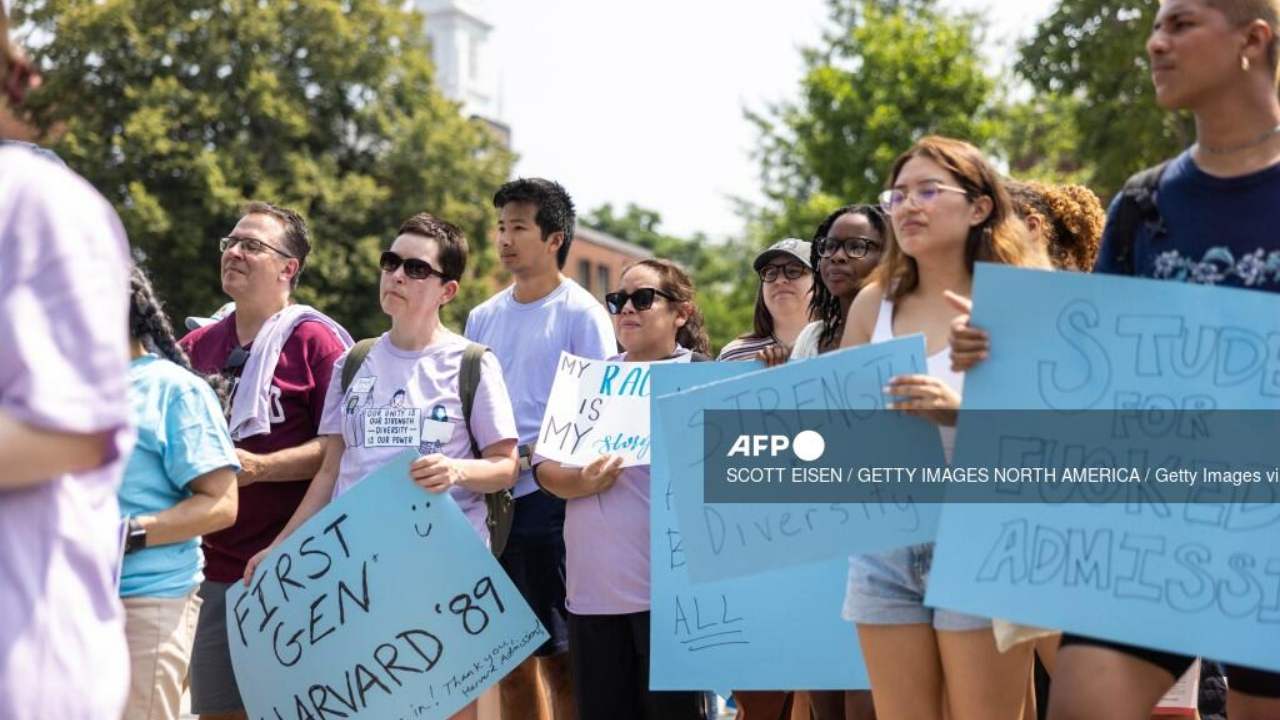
[[606, 526], [413, 369]]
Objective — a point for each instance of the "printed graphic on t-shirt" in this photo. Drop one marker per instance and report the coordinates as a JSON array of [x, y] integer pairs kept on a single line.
[[273, 393], [1259, 267], [395, 424]]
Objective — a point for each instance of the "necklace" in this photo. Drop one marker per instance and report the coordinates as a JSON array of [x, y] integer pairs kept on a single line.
[[1238, 148]]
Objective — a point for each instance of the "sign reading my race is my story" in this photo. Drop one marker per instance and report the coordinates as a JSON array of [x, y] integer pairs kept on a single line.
[[732, 540], [384, 605], [1160, 369], [597, 407], [775, 629]]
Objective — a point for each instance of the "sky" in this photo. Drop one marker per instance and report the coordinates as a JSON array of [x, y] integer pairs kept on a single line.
[[642, 102]]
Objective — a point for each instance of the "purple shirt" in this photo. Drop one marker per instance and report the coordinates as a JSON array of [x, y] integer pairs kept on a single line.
[[606, 538], [64, 290], [403, 399]]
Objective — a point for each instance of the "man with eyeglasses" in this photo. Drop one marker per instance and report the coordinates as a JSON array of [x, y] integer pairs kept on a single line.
[[527, 325], [280, 357]]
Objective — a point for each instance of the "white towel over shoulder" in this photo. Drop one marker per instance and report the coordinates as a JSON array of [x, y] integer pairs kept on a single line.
[[251, 405]]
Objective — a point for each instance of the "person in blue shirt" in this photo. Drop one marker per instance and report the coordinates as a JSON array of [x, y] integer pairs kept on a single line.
[[179, 483]]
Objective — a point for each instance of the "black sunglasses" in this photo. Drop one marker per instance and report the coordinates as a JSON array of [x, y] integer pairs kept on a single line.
[[641, 299], [854, 247], [413, 268]]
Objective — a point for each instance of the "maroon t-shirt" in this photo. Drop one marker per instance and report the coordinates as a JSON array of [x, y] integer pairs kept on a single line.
[[297, 401]]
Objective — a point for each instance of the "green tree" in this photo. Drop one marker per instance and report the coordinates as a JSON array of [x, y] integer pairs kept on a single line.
[[1040, 140], [1093, 51], [886, 74], [181, 110], [721, 271]]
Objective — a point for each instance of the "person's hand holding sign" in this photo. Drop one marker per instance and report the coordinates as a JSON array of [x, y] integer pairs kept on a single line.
[[436, 473], [602, 473], [570, 483], [969, 345], [924, 396]]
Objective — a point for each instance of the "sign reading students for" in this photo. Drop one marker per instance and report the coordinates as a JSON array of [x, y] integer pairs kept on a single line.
[[597, 407], [732, 540], [771, 630], [1168, 361], [383, 605]]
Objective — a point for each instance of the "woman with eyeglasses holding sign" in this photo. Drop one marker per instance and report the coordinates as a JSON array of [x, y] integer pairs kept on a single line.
[[947, 209], [606, 524], [782, 301], [414, 368]]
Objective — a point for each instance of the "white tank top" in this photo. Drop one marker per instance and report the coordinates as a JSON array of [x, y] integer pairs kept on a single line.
[[938, 365]]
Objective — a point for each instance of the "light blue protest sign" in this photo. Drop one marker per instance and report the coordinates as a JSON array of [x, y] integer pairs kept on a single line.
[[779, 629], [1124, 393], [730, 540], [385, 604]]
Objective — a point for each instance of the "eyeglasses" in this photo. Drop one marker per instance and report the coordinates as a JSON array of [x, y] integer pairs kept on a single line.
[[235, 360], [414, 268], [791, 271], [855, 247], [924, 193], [641, 299], [250, 245]]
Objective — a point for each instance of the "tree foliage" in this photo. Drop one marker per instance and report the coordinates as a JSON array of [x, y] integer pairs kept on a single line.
[[886, 74], [1093, 52], [721, 271], [179, 111]]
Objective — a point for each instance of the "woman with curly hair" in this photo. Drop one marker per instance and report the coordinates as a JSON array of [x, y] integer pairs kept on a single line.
[[1066, 219]]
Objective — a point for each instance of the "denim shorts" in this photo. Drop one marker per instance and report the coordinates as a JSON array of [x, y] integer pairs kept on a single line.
[[888, 589]]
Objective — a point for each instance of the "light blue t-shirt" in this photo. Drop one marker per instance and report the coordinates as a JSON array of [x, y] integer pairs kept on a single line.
[[182, 435], [527, 339]]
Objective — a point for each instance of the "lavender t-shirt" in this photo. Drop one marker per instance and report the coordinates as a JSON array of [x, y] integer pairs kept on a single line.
[[64, 290], [606, 539], [409, 399]]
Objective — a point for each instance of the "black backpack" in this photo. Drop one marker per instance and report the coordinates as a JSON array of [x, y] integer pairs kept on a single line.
[[501, 504], [1137, 207]]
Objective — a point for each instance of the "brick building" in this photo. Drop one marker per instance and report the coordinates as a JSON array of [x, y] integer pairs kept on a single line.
[[596, 260]]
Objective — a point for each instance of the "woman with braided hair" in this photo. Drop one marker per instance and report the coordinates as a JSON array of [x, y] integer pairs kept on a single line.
[[179, 483]]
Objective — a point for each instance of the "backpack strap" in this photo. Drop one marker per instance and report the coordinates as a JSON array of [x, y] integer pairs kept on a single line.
[[500, 505], [1138, 206], [468, 385], [355, 358]]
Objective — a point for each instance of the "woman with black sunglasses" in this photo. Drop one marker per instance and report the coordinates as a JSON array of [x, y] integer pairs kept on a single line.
[[413, 370], [606, 526]]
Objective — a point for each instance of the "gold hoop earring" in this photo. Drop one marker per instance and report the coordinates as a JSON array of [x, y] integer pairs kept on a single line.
[[1244, 63]]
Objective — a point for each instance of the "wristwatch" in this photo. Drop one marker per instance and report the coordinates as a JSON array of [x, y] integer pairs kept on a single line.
[[137, 538]]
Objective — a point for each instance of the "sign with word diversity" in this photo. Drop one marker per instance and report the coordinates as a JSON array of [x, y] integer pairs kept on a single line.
[[597, 407], [385, 604], [778, 629], [1166, 390], [731, 540]]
